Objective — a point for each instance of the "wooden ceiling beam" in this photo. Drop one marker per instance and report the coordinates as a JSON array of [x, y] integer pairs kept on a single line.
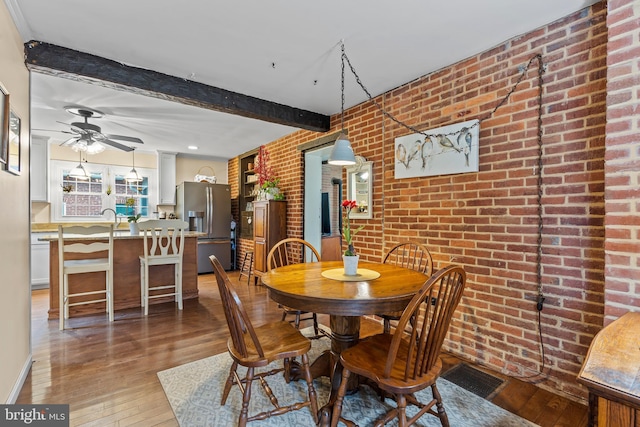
[[62, 62]]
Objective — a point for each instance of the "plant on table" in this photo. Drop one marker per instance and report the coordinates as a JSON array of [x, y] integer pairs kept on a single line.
[[130, 203], [347, 231]]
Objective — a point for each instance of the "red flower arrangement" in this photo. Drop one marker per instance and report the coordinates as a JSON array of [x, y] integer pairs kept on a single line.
[[347, 232]]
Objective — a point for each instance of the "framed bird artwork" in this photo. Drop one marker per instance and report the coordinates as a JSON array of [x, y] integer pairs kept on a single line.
[[446, 150]]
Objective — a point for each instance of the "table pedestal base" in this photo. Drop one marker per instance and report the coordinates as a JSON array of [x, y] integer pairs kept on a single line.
[[345, 333]]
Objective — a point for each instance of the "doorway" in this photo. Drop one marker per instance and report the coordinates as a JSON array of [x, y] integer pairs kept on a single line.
[[321, 181]]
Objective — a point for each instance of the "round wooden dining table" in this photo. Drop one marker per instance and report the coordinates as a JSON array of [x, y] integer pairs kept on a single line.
[[321, 287]]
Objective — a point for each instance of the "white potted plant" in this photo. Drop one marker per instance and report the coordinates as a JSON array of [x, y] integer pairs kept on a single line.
[[133, 218]]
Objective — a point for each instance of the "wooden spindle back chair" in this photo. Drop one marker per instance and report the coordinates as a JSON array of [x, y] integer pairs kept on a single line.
[[258, 347], [401, 364], [294, 251], [409, 255]]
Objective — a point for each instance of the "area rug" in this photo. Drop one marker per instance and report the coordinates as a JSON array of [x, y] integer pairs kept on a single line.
[[194, 391]]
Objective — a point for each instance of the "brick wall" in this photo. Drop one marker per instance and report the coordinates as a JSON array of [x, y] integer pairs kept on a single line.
[[622, 171], [487, 221]]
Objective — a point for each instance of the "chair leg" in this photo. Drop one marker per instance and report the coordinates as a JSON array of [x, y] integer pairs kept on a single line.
[[244, 412], [442, 414], [313, 398], [178, 269], [146, 289], [141, 283], [229, 383], [316, 330], [61, 303], [402, 410], [387, 326], [287, 370], [250, 268], [297, 323], [110, 294], [337, 406]]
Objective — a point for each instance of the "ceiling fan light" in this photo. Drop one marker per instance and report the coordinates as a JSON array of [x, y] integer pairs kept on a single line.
[[79, 145], [95, 148], [79, 172], [342, 153]]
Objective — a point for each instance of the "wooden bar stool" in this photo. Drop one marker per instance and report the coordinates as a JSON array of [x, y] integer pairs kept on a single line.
[[248, 256], [95, 256], [163, 245]]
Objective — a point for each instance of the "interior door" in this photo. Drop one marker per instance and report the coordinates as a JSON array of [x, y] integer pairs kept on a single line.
[[313, 196]]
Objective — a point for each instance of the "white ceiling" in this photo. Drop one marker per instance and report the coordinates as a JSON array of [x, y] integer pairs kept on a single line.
[[285, 51]]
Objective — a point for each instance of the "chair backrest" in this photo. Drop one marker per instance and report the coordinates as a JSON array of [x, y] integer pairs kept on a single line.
[[237, 318], [291, 251], [73, 232], [410, 255], [430, 311], [167, 237]]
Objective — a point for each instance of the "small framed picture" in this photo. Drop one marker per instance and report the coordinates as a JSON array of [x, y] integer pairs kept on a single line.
[[13, 160], [4, 125]]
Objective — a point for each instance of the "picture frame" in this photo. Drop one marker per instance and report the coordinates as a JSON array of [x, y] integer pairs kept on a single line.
[[14, 148], [450, 149], [4, 125]]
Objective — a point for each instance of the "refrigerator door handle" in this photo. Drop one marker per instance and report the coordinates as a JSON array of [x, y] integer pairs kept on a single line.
[[208, 211]]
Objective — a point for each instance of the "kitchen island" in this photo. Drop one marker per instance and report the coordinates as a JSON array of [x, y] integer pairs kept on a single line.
[[126, 274]]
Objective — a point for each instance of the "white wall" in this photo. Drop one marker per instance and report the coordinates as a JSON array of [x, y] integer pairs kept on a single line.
[[15, 290]]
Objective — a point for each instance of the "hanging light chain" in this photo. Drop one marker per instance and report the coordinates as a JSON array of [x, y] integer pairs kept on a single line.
[[342, 88], [415, 130]]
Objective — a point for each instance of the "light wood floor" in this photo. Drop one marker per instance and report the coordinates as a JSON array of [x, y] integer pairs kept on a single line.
[[107, 371]]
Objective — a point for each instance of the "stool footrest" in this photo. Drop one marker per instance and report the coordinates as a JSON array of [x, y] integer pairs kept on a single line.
[[73, 304]]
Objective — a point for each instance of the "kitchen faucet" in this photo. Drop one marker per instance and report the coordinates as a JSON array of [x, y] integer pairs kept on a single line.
[[115, 216]]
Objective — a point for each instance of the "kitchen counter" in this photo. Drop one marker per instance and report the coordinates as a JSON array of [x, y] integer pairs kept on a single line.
[[52, 227], [126, 273], [119, 234]]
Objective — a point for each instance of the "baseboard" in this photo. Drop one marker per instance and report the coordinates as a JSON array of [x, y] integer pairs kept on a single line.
[[13, 396]]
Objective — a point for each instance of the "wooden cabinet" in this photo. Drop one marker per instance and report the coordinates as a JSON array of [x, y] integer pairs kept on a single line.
[[610, 372], [269, 227], [166, 178]]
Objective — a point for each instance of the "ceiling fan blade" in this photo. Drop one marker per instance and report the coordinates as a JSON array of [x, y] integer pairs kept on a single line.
[[125, 138], [52, 130], [70, 141], [116, 144]]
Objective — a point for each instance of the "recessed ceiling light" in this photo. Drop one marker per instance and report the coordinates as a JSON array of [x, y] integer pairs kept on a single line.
[[192, 147]]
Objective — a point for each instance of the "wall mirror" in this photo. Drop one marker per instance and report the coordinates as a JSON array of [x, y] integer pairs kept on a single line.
[[359, 188]]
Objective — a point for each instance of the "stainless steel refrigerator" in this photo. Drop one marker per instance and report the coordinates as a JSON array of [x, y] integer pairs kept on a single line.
[[207, 208]]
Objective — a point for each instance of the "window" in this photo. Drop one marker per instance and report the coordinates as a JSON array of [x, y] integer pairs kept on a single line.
[[138, 192], [81, 198], [75, 200]]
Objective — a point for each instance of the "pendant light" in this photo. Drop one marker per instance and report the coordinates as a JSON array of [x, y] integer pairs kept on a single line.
[[79, 172], [342, 152], [133, 176]]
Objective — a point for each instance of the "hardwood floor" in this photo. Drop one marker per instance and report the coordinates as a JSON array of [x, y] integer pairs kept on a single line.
[[107, 371]]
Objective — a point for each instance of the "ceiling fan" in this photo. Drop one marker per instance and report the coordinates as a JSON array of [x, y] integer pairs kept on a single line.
[[89, 137]]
